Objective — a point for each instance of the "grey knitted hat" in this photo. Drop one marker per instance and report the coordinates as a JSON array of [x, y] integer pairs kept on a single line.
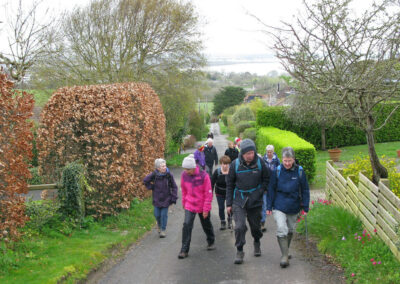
[[189, 162], [246, 146]]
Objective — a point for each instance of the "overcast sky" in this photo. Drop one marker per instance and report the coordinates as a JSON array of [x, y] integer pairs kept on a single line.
[[227, 27]]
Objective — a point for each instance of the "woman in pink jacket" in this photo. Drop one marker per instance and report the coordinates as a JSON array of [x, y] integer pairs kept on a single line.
[[196, 199]]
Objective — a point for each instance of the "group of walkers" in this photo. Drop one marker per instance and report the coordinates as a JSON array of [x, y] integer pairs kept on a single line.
[[251, 187]]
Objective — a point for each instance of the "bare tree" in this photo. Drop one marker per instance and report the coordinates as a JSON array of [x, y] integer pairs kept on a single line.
[[120, 40], [345, 60], [25, 37]]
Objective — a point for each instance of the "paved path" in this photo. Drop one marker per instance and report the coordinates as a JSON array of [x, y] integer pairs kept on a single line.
[[154, 260]]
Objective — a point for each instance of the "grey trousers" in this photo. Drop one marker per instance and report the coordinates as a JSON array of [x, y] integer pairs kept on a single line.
[[284, 222], [253, 217]]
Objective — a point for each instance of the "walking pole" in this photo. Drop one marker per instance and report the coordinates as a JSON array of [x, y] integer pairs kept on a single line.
[[305, 223]]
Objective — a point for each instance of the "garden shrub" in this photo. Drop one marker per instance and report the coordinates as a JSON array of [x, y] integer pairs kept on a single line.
[[243, 113], [71, 194], [15, 153], [336, 136], [250, 133], [361, 163], [40, 213], [115, 130], [305, 151], [242, 126]]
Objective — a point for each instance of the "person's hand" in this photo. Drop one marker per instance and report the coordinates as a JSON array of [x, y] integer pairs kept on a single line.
[[205, 215], [229, 210], [269, 212]]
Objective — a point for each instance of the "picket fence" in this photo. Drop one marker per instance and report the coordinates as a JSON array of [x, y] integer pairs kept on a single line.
[[377, 206]]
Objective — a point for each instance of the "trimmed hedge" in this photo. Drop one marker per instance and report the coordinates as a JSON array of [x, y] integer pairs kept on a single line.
[[337, 136], [305, 151]]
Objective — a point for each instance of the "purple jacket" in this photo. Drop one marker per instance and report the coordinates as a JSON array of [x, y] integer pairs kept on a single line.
[[165, 191], [200, 158]]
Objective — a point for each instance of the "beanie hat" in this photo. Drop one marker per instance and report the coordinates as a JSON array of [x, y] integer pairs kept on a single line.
[[247, 145], [189, 162]]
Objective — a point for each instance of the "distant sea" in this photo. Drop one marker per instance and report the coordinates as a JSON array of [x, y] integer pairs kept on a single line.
[[260, 65]]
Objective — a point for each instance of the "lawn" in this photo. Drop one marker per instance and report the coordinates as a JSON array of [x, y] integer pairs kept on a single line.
[[40, 96], [388, 149], [52, 257]]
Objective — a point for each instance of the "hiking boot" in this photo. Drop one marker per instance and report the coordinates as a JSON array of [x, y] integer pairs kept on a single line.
[[263, 228], [163, 234], [183, 255], [283, 244], [223, 225], [257, 248], [211, 246], [239, 257], [230, 223]]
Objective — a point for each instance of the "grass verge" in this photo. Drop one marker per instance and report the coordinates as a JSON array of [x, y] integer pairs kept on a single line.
[[364, 257], [176, 160], [388, 149], [53, 257]]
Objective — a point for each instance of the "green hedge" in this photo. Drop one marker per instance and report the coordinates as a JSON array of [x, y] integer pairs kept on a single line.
[[337, 136], [305, 151]]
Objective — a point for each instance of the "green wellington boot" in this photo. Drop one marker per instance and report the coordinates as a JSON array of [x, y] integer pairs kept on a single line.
[[283, 244]]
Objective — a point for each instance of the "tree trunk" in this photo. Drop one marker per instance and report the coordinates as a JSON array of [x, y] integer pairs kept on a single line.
[[378, 171], [323, 138]]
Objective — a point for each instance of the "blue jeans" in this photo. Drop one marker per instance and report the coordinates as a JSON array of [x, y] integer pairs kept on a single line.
[[221, 207], [264, 208], [161, 214]]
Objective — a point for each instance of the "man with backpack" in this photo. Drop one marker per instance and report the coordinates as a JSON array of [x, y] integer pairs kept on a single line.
[[288, 193], [246, 182]]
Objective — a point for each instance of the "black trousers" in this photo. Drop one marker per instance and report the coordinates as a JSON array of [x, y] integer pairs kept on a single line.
[[253, 217], [188, 227]]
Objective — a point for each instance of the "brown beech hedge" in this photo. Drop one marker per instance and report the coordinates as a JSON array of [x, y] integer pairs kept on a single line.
[[15, 150], [115, 130]]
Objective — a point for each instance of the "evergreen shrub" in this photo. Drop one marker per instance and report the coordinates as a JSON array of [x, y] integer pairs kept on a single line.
[[243, 113], [250, 133], [242, 126], [337, 136], [305, 151], [71, 195]]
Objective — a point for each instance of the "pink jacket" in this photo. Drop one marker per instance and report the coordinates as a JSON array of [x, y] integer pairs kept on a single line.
[[196, 192]]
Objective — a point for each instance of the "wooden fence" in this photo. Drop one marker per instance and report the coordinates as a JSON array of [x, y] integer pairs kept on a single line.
[[43, 186], [377, 206]]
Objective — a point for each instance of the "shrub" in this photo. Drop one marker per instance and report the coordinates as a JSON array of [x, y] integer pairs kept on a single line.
[[305, 152], [361, 163], [15, 152], [196, 124], [40, 213], [71, 195], [243, 113], [115, 130], [242, 126], [35, 177], [336, 136], [257, 104], [250, 133]]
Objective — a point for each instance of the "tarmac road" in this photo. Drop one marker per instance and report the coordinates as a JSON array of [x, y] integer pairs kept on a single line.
[[154, 260]]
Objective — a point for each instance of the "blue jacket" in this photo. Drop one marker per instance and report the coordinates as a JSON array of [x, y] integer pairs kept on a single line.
[[274, 162], [284, 192]]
